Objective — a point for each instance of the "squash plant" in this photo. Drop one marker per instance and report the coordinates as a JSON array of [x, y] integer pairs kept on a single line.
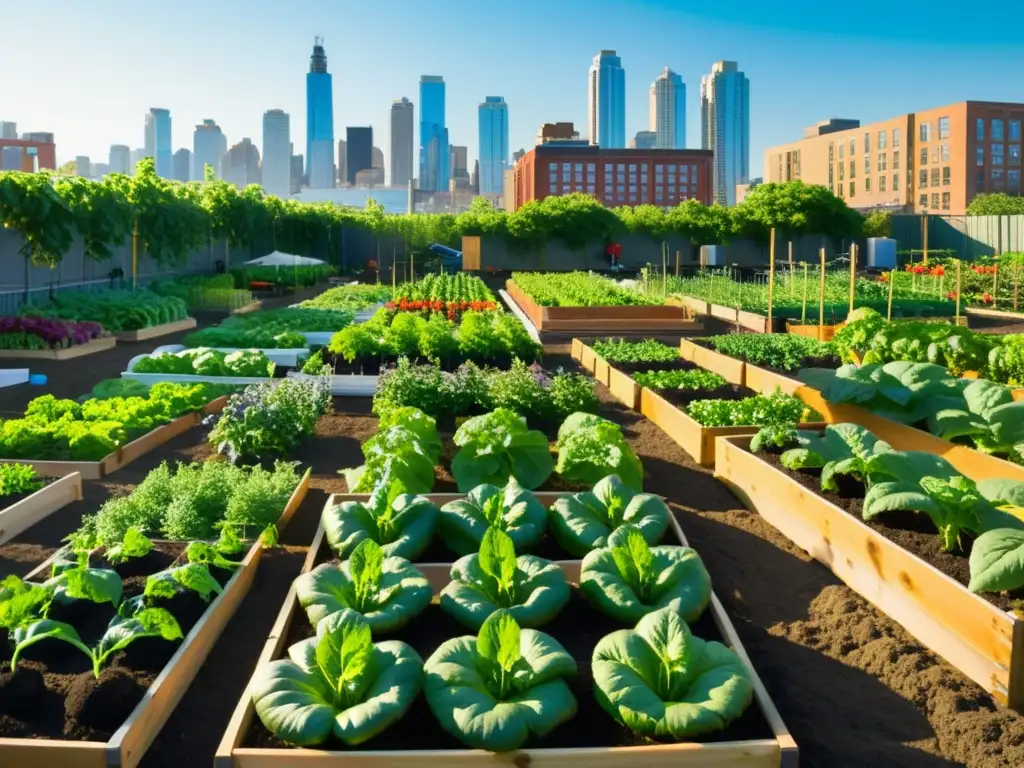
[[628, 578], [513, 509], [339, 682], [532, 590], [662, 682], [584, 521], [495, 690], [388, 592]]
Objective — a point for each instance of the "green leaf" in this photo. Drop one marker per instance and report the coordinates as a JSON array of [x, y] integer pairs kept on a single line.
[[344, 652], [997, 561], [134, 545], [46, 629], [22, 603], [403, 527], [498, 640], [98, 585], [193, 576], [209, 555], [269, 537], [229, 542], [366, 567], [514, 509], [149, 622], [498, 558]]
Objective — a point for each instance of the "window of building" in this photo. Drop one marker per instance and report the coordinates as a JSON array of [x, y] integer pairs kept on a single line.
[[883, 161], [979, 181], [945, 153], [842, 150], [842, 192], [895, 182], [895, 137], [997, 177], [881, 183], [935, 199], [1013, 180], [997, 154], [867, 142], [980, 156], [578, 167], [566, 168], [934, 177], [853, 146], [945, 177], [925, 132], [935, 154], [621, 189], [565, 189], [853, 187], [1014, 150], [853, 170], [842, 171], [867, 164], [922, 179], [997, 129], [591, 167], [883, 139], [943, 127], [980, 129], [924, 156], [923, 201], [867, 185], [590, 189], [945, 201], [896, 160]]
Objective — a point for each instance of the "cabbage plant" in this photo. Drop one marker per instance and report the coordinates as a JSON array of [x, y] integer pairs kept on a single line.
[[628, 578], [530, 589], [662, 682], [512, 509], [388, 592], [402, 524], [590, 448], [495, 690], [584, 521], [339, 682], [498, 446]]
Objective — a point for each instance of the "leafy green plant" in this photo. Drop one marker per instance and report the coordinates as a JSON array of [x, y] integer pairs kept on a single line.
[[339, 682], [388, 592], [513, 509], [208, 554], [841, 449], [495, 690], [662, 682], [532, 590], [591, 448], [203, 361], [133, 545], [76, 580], [195, 577], [578, 289], [22, 602], [585, 521], [628, 578], [498, 446], [777, 408], [402, 524], [18, 478], [697, 378], [781, 351], [625, 351], [997, 561], [773, 436]]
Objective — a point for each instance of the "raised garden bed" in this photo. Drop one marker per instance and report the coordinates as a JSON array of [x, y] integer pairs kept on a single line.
[[27, 511], [819, 332], [758, 378], [65, 353], [126, 454], [191, 378], [167, 681], [155, 331], [759, 738], [982, 640], [287, 358]]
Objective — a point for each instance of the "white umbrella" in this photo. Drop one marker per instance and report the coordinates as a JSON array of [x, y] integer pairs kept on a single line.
[[278, 259]]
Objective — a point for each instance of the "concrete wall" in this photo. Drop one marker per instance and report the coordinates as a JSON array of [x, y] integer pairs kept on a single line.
[[969, 236]]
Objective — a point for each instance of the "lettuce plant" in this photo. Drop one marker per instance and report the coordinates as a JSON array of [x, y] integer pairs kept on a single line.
[[22, 602], [398, 454], [628, 578], [494, 690], [133, 545], [498, 446], [403, 524], [388, 592], [662, 682], [590, 448], [76, 580], [584, 521], [339, 682], [512, 509], [531, 589], [987, 414], [191, 576]]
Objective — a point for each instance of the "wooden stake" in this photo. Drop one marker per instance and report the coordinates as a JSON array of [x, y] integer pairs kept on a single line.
[[995, 286], [803, 310], [412, 268], [821, 298], [771, 278], [1016, 284], [853, 271], [664, 269], [958, 291], [892, 279], [394, 275], [677, 263], [135, 253], [924, 237]]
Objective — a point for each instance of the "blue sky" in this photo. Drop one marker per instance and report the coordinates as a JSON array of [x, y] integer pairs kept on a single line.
[[88, 71]]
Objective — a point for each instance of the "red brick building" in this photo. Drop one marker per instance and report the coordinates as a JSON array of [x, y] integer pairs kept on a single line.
[[45, 151], [615, 177]]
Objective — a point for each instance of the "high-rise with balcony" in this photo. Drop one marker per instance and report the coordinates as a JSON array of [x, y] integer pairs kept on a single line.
[[208, 147], [277, 154], [403, 124], [319, 120], [725, 127], [120, 159], [493, 120], [158, 141], [668, 110], [606, 100], [434, 147]]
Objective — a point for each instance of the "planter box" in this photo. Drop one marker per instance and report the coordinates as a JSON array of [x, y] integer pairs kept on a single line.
[[649, 318], [983, 642], [24, 514], [68, 353], [696, 306], [764, 381], [729, 368], [126, 454], [969, 462], [351, 385], [723, 312], [819, 332], [157, 330], [128, 745], [761, 753], [621, 385], [289, 358], [186, 378]]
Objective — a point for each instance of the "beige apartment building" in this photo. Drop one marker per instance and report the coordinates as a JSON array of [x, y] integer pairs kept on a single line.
[[934, 161]]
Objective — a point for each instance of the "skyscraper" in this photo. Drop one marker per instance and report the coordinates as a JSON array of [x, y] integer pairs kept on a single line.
[[319, 120], [434, 152], [606, 97], [644, 140], [668, 110], [297, 170], [358, 151], [120, 159], [277, 154], [8, 130], [341, 166], [493, 120], [158, 140], [208, 147], [182, 165], [83, 166], [725, 127], [241, 164], [402, 131]]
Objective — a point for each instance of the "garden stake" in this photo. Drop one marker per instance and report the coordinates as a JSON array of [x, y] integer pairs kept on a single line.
[[924, 237], [412, 268], [135, 252], [677, 263], [771, 278], [958, 291], [803, 311], [1016, 284], [995, 286], [892, 279], [853, 271], [821, 297]]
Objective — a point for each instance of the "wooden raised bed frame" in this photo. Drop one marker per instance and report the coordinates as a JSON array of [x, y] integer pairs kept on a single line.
[[651, 318], [779, 752], [24, 514], [67, 353], [130, 742], [125, 454], [980, 640], [155, 331], [620, 384]]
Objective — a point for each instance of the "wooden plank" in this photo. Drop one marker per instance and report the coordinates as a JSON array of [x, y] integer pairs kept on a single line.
[[576, 349], [724, 313], [828, 332], [21, 516], [967, 630], [67, 353], [587, 358], [727, 367], [753, 321], [471, 253], [764, 381], [696, 440], [602, 369], [971, 463], [623, 388], [52, 753], [156, 331]]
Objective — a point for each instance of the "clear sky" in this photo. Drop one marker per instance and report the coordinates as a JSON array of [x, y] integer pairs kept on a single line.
[[88, 70]]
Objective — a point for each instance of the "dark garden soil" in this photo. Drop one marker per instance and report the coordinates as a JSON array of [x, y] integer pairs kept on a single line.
[[681, 398]]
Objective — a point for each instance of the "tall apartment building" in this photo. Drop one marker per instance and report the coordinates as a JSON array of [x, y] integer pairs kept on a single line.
[[241, 164], [319, 120], [137, 157], [434, 147], [277, 154], [661, 177], [208, 147], [182, 165], [493, 134], [158, 141], [120, 159], [460, 167], [606, 101], [934, 161], [403, 124], [668, 110], [725, 127], [297, 169], [644, 140], [358, 151], [8, 130]]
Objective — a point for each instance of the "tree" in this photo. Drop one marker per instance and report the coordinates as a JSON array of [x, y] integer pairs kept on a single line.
[[996, 204], [796, 208], [878, 224]]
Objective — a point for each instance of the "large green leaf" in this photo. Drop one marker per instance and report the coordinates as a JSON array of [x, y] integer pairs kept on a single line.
[[513, 509], [997, 561], [403, 527], [498, 446], [45, 629]]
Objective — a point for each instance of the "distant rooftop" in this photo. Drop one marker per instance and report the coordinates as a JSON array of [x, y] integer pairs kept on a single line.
[[832, 125]]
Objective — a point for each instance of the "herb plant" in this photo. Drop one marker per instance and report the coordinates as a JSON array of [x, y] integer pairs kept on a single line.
[[777, 408], [18, 478], [781, 351]]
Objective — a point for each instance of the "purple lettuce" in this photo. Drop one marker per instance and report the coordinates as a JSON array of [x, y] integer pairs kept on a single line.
[[56, 334]]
